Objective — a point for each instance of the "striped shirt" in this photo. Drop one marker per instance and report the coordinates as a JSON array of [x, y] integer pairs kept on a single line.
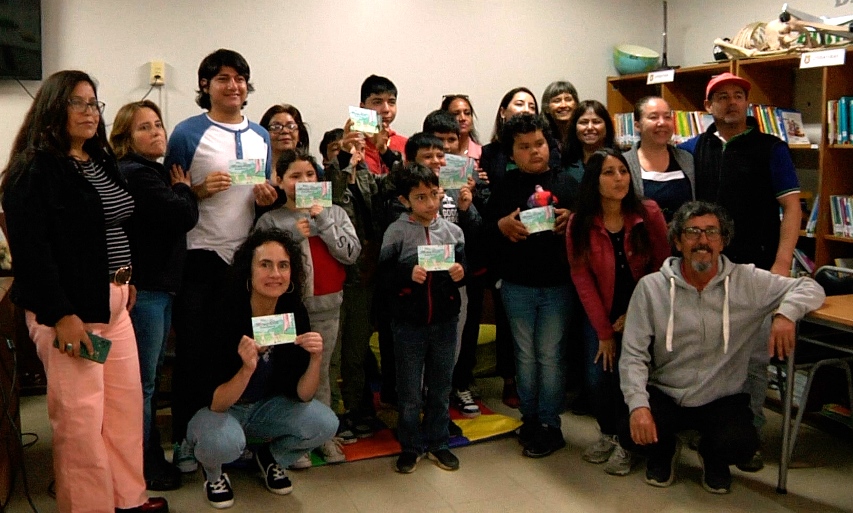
[[118, 205]]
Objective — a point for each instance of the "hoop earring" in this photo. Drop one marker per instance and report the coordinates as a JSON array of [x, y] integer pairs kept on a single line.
[[290, 289], [248, 285]]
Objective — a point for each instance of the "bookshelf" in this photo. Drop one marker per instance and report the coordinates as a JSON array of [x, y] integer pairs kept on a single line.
[[823, 169]]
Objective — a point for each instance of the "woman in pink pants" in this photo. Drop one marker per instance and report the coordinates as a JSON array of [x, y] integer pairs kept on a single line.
[[66, 206]]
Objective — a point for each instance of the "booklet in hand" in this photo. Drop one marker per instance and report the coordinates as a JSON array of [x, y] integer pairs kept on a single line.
[[270, 330], [309, 194], [436, 257], [364, 120], [247, 171]]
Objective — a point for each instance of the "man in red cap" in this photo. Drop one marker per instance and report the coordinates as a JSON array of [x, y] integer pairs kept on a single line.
[[752, 175]]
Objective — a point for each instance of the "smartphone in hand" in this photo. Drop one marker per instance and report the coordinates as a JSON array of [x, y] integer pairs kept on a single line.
[[100, 345]]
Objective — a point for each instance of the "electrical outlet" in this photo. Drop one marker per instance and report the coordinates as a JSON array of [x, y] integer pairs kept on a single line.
[[158, 73]]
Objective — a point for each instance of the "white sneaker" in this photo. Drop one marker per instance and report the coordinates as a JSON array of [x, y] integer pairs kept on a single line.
[[304, 461], [619, 462], [332, 452], [183, 457], [600, 451], [463, 400]]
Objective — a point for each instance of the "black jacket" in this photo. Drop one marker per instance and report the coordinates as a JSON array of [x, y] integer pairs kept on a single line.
[[162, 216], [540, 260], [57, 236], [234, 319], [739, 179]]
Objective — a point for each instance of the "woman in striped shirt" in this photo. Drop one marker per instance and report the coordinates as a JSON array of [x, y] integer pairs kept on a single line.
[[66, 207]]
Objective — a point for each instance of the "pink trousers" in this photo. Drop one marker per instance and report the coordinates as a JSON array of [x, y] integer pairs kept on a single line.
[[95, 411]]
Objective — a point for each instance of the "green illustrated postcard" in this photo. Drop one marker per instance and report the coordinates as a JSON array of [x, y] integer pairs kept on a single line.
[[455, 174], [247, 171], [270, 330], [437, 257], [364, 120], [309, 194], [538, 219]]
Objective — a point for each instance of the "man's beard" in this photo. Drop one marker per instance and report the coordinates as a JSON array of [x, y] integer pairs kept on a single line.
[[701, 267]]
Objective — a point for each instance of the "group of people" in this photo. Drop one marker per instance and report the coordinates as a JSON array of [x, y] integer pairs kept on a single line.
[[665, 341]]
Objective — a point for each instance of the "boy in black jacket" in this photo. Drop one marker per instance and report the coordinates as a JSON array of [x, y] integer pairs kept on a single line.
[[424, 310]]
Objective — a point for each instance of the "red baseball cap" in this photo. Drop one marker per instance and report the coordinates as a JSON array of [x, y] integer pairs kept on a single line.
[[723, 79]]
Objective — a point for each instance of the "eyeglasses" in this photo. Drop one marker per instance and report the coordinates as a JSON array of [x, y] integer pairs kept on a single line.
[[693, 233], [81, 106], [278, 127]]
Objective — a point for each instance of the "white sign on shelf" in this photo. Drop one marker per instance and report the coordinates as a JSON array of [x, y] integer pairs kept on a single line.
[[660, 77], [823, 58]]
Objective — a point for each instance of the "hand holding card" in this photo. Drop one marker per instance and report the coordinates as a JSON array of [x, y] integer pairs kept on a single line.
[[270, 330]]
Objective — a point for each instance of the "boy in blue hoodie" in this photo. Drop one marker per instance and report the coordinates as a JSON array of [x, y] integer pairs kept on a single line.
[[424, 311]]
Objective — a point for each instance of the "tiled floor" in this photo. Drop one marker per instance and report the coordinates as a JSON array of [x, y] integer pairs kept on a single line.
[[495, 477]]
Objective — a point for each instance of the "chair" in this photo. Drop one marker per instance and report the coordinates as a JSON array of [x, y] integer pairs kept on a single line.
[[818, 346]]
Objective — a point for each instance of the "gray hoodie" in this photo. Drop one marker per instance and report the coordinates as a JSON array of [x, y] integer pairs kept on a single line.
[[699, 352]]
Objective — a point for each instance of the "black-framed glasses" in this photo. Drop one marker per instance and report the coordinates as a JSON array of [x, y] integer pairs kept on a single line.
[[80, 105], [693, 233], [278, 127]]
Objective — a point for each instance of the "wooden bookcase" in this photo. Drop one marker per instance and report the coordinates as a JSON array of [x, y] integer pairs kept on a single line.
[[824, 169]]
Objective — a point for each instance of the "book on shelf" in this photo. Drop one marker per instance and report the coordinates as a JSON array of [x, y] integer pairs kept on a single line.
[[804, 260], [786, 124], [839, 119], [623, 125], [812, 222], [841, 208]]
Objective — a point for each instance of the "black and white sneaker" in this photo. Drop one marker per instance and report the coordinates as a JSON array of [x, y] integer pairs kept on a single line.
[[463, 401], [219, 494], [275, 477]]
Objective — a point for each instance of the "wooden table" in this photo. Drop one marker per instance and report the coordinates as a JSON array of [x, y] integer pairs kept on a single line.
[[836, 314]]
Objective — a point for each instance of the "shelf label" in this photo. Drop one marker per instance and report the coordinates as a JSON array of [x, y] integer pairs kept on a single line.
[[660, 77], [822, 58]]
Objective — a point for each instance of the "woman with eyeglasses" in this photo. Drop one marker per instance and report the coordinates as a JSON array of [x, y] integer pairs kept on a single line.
[[287, 132], [67, 209], [614, 239], [460, 106], [165, 210]]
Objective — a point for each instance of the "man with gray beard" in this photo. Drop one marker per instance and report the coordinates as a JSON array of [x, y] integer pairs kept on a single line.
[[689, 333]]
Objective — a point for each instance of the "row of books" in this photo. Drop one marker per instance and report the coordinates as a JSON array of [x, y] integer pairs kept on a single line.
[[839, 116], [842, 215], [785, 124]]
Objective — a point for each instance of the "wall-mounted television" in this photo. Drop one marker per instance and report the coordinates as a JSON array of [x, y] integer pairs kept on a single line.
[[20, 39]]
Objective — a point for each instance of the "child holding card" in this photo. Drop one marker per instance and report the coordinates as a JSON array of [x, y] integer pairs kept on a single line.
[[535, 285], [329, 243], [424, 312], [445, 126], [255, 391]]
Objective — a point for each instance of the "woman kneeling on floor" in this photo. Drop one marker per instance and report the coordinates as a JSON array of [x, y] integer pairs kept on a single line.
[[261, 391]]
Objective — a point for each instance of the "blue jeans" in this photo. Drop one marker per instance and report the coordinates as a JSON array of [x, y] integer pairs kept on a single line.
[[151, 317], [424, 357], [293, 427], [605, 396], [539, 318]]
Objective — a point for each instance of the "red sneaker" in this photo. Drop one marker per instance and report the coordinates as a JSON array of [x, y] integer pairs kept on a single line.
[[152, 505], [510, 394]]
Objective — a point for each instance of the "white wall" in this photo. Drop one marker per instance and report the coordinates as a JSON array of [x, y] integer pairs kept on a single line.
[[315, 53], [694, 24]]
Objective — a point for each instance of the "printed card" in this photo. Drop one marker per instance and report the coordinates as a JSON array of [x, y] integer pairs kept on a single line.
[[309, 194], [247, 171], [538, 219], [270, 330], [364, 120], [437, 257], [455, 174]]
